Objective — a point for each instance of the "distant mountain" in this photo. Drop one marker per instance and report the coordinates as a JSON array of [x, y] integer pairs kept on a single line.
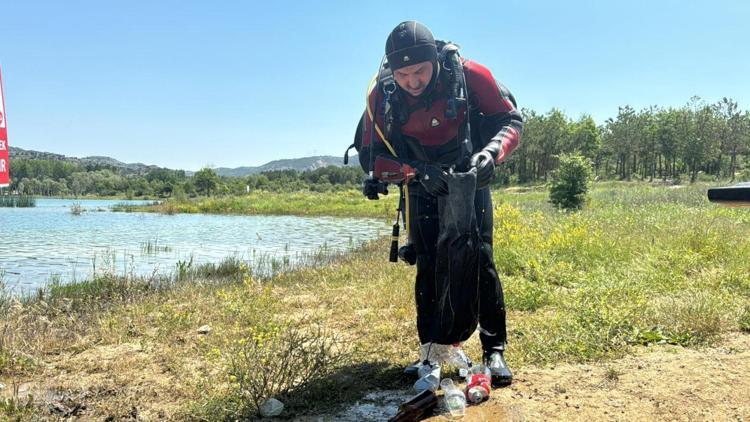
[[137, 168], [298, 164]]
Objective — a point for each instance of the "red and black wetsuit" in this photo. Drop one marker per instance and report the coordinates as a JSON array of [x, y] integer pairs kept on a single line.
[[420, 131]]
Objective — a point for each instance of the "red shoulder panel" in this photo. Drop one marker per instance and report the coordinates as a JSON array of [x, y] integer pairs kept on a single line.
[[483, 88]]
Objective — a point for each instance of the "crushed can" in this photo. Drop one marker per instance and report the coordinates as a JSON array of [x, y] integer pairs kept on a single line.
[[478, 384]]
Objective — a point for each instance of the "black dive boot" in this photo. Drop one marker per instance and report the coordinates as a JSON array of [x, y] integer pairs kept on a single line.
[[501, 375]]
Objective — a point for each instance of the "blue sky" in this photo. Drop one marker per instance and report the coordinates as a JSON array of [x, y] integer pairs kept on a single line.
[[184, 84]]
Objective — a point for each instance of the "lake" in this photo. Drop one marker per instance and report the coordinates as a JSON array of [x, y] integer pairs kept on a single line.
[[37, 244]]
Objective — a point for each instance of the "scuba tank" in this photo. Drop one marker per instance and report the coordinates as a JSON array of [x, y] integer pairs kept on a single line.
[[458, 92]]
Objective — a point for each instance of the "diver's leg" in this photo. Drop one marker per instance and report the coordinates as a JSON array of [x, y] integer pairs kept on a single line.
[[424, 233], [493, 333], [423, 225]]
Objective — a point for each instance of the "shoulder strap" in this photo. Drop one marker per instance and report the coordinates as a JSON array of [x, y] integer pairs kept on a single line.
[[371, 114]]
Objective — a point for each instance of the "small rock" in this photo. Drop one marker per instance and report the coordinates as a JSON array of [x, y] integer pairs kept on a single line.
[[2, 386], [271, 407], [204, 329]]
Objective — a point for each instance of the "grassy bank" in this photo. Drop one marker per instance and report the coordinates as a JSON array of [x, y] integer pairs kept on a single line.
[[338, 204], [640, 265]]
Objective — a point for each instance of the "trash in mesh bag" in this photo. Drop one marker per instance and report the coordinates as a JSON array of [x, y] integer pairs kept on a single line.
[[457, 267]]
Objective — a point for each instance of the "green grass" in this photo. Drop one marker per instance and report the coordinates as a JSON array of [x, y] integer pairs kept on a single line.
[[639, 265], [338, 204], [20, 201]]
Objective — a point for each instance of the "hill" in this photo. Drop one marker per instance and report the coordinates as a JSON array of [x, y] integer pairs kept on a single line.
[[298, 164], [136, 168]]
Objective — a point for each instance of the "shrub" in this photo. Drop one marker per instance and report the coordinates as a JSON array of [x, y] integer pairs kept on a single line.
[[570, 183], [277, 360]]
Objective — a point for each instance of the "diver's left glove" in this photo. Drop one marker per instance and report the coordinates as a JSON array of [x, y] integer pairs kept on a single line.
[[371, 187], [433, 178], [484, 161]]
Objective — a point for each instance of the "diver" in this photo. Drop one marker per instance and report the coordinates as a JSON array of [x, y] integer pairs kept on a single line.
[[432, 112]]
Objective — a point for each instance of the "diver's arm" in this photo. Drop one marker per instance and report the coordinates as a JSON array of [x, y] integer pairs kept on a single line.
[[502, 123]]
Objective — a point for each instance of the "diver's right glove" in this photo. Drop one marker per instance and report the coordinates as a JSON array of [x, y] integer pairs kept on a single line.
[[484, 161], [433, 179]]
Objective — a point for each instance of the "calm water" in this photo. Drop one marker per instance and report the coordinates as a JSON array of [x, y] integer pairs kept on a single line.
[[48, 241]]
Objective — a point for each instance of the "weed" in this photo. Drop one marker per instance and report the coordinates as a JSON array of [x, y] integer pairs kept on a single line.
[[76, 208], [20, 201], [611, 375], [152, 248], [17, 409], [744, 320]]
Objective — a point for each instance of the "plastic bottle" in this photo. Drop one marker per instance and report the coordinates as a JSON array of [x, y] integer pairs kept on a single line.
[[478, 383], [455, 401], [458, 358], [429, 378]]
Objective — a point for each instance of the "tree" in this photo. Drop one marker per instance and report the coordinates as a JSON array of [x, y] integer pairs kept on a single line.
[[205, 180], [570, 182], [667, 142], [618, 140], [555, 139], [698, 129], [585, 137], [733, 127]]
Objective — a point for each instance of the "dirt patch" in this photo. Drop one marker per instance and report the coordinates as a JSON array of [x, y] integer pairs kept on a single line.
[[659, 383], [122, 381]]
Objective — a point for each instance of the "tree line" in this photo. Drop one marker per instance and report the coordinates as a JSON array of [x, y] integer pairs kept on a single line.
[[671, 144], [653, 143], [60, 178]]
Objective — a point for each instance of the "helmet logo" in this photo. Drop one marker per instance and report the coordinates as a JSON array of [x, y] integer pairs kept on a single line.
[[435, 122], [406, 58]]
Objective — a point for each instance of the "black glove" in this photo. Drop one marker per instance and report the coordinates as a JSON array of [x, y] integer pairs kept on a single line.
[[372, 187], [433, 179], [485, 164]]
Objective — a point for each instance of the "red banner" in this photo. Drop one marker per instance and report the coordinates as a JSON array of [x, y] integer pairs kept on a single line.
[[4, 148]]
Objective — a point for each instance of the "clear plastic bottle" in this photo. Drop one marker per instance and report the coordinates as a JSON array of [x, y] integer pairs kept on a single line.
[[455, 401], [478, 383], [429, 377], [450, 354], [458, 358]]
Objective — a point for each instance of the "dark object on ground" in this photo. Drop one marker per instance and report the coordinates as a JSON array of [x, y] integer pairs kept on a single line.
[[416, 408], [737, 195], [501, 375]]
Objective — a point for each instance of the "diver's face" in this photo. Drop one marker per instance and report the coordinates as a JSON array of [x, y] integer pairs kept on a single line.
[[414, 78]]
